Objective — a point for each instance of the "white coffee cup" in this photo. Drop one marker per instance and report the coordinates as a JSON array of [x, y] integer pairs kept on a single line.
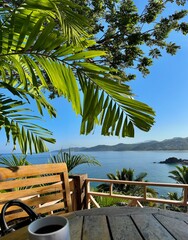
[[49, 228]]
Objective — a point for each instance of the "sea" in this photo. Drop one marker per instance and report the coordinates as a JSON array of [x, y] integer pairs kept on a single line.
[[111, 161]]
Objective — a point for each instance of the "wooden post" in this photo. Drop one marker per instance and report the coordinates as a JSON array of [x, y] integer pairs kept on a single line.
[[111, 189], [145, 193], [88, 200], [185, 198], [78, 191]]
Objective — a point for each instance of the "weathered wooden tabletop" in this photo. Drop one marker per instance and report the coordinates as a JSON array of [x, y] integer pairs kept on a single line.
[[119, 223]]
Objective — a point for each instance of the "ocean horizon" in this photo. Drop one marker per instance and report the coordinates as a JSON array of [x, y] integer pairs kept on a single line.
[[111, 161]]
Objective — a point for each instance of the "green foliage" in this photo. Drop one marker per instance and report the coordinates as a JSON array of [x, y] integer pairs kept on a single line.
[[174, 196], [46, 46], [124, 189], [180, 175], [172, 207], [133, 37], [110, 201], [18, 126], [127, 175], [73, 161], [14, 161]]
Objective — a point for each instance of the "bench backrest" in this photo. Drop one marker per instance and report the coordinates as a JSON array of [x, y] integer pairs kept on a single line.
[[44, 187]]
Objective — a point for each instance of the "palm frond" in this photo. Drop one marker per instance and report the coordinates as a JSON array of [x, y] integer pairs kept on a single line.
[[116, 117], [14, 161], [20, 127], [180, 175], [73, 161], [61, 13], [110, 104], [44, 44], [141, 176]]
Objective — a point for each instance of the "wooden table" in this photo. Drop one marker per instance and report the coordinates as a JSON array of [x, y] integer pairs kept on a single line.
[[119, 223]]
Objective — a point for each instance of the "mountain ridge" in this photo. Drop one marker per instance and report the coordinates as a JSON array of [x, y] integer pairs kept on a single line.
[[176, 143]]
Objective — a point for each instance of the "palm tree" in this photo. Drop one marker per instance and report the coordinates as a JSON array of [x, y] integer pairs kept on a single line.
[[180, 175], [44, 46], [73, 161], [14, 161], [126, 175], [172, 207]]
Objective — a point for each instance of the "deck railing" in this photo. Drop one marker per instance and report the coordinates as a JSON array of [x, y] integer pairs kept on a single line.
[[134, 200]]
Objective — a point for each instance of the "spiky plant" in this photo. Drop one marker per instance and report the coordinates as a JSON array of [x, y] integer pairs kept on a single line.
[[14, 161], [73, 161]]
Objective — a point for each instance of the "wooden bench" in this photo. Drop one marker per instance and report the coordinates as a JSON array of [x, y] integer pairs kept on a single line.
[[44, 187]]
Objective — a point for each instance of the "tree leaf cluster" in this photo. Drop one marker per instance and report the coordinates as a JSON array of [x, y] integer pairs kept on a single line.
[[135, 36]]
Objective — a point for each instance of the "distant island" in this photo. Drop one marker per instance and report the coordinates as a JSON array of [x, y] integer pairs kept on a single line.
[[174, 160], [176, 143]]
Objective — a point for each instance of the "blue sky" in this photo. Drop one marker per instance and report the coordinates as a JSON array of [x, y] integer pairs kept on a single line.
[[165, 90]]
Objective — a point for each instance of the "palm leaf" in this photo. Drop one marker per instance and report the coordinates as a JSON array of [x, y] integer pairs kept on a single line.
[[138, 114], [180, 174], [14, 161], [72, 24], [32, 62], [73, 161], [18, 126], [119, 115]]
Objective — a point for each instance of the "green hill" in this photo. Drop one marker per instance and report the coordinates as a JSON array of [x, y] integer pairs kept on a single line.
[[168, 144]]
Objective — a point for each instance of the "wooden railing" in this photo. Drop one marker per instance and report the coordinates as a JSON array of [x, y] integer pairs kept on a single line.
[[134, 200]]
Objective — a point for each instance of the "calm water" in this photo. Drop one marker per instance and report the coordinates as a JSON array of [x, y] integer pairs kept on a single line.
[[140, 161]]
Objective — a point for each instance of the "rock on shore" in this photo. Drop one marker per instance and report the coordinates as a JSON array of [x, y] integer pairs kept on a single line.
[[174, 160]]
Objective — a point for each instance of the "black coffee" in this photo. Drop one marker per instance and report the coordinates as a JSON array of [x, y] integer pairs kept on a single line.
[[48, 229]]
